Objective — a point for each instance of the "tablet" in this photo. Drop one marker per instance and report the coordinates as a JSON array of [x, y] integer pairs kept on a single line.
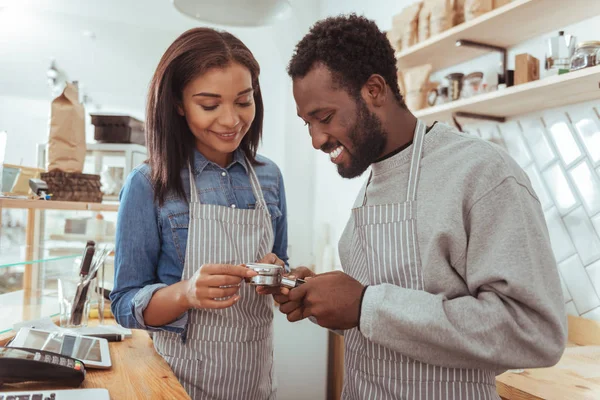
[[93, 352]]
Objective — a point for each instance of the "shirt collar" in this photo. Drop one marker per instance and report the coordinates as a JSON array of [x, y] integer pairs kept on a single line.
[[200, 162]]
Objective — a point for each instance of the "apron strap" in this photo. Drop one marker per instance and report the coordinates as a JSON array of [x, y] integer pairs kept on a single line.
[[415, 162], [193, 190], [256, 189]]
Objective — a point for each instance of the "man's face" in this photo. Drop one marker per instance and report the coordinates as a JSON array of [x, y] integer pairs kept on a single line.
[[339, 124]]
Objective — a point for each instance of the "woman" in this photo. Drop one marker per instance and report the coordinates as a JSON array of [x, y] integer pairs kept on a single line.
[[203, 204]]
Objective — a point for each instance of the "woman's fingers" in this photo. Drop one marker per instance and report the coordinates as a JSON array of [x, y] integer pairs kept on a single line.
[[219, 280], [219, 304], [217, 293], [227, 269]]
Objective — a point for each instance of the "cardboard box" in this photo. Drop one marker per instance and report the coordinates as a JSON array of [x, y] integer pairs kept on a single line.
[[527, 68]]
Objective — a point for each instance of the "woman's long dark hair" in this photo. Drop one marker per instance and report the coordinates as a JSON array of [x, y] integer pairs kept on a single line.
[[169, 139]]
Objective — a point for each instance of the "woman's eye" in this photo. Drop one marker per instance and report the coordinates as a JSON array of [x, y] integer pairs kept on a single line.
[[208, 108], [247, 104]]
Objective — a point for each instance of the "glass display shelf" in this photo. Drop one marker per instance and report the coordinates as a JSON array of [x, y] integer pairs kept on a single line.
[[20, 302]]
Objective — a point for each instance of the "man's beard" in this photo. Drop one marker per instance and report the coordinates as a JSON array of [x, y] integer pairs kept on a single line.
[[368, 141]]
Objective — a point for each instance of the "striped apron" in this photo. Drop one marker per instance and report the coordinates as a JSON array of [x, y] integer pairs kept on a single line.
[[226, 354], [385, 250]]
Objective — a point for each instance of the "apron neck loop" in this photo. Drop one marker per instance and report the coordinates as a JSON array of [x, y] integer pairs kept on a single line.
[[415, 162], [254, 183], [256, 190], [193, 191]]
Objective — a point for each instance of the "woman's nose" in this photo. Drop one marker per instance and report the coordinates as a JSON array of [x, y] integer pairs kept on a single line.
[[229, 117]]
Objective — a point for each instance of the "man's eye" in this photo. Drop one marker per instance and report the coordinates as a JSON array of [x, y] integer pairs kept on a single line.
[[326, 119]]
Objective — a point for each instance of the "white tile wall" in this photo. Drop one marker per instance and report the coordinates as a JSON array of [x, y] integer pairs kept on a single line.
[[560, 151], [578, 282], [562, 137], [561, 192], [584, 235], [587, 184], [571, 310], [559, 236], [588, 129]]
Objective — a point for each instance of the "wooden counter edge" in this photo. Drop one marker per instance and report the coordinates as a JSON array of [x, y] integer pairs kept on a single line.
[[138, 372]]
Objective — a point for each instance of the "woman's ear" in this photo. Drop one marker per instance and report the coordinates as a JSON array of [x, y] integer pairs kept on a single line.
[[180, 110]]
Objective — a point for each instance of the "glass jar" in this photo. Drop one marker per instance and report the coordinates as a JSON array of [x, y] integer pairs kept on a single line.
[[586, 55]]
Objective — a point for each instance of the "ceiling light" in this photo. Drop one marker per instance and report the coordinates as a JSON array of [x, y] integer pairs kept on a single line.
[[235, 12]]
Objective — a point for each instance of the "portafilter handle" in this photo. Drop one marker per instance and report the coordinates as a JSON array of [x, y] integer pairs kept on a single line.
[[291, 283]]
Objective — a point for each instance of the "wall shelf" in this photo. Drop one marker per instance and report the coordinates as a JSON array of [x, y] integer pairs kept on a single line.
[[55, 205], [550, 92], [504, 27]]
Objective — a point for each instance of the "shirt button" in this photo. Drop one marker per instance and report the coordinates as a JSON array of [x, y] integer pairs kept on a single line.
[[233, 206], [224, 173]]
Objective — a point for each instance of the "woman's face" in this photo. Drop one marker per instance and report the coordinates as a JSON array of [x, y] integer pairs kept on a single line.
[[219, 109]]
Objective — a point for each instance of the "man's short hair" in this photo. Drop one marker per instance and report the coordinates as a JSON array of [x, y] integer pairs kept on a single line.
[[353, 48]]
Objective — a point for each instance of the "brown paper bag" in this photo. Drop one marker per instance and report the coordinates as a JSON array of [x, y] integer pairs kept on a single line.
[[66, 141], [500, 3], [405, 26], [442, 16], [424, 21], [416, 84], [459, 12], [394, 39], [475, 8], [411, 31]]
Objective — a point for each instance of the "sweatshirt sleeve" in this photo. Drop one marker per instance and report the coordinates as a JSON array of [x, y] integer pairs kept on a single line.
[[513, 315]]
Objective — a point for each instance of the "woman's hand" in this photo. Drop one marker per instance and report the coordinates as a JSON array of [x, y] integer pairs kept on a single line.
[[215, 286], [270, 258]]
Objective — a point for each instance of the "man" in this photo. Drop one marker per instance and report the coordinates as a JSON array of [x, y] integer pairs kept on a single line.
[[449, 278]]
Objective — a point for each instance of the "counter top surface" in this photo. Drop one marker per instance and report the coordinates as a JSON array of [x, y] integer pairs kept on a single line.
[[576, 376], [137, 372]]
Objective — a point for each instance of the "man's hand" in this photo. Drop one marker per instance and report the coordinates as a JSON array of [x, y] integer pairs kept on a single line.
[[280, 294], [332, 298]]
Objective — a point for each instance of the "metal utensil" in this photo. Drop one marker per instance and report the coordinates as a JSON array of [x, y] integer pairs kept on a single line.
[[272, 276]]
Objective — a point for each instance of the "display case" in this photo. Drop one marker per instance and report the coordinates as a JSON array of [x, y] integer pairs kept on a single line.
[[40, 240], [20, 301], [112, 161]]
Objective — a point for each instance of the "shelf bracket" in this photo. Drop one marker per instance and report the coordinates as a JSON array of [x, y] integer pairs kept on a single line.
[[485, 46], [459, 114]]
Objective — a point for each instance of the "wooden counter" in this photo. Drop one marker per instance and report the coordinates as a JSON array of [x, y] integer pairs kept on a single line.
[[137, 372], [576, 376]]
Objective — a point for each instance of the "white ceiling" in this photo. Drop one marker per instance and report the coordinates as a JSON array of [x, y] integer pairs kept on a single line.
[[116, 66]]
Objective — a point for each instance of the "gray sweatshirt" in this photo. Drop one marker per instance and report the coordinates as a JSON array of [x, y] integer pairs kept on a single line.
[[492, 296]]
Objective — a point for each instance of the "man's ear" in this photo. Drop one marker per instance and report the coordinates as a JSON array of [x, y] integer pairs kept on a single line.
[[374, 91], [180, 110]]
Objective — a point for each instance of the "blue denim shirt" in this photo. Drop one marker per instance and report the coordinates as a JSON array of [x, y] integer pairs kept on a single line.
[[151, 240]]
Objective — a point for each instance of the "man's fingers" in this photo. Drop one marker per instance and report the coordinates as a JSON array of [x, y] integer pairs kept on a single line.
[[228, 269], [280, 298], [289, 306], [218, 304], [295, 315], [302, 272], [297, 294], [268, 290]]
